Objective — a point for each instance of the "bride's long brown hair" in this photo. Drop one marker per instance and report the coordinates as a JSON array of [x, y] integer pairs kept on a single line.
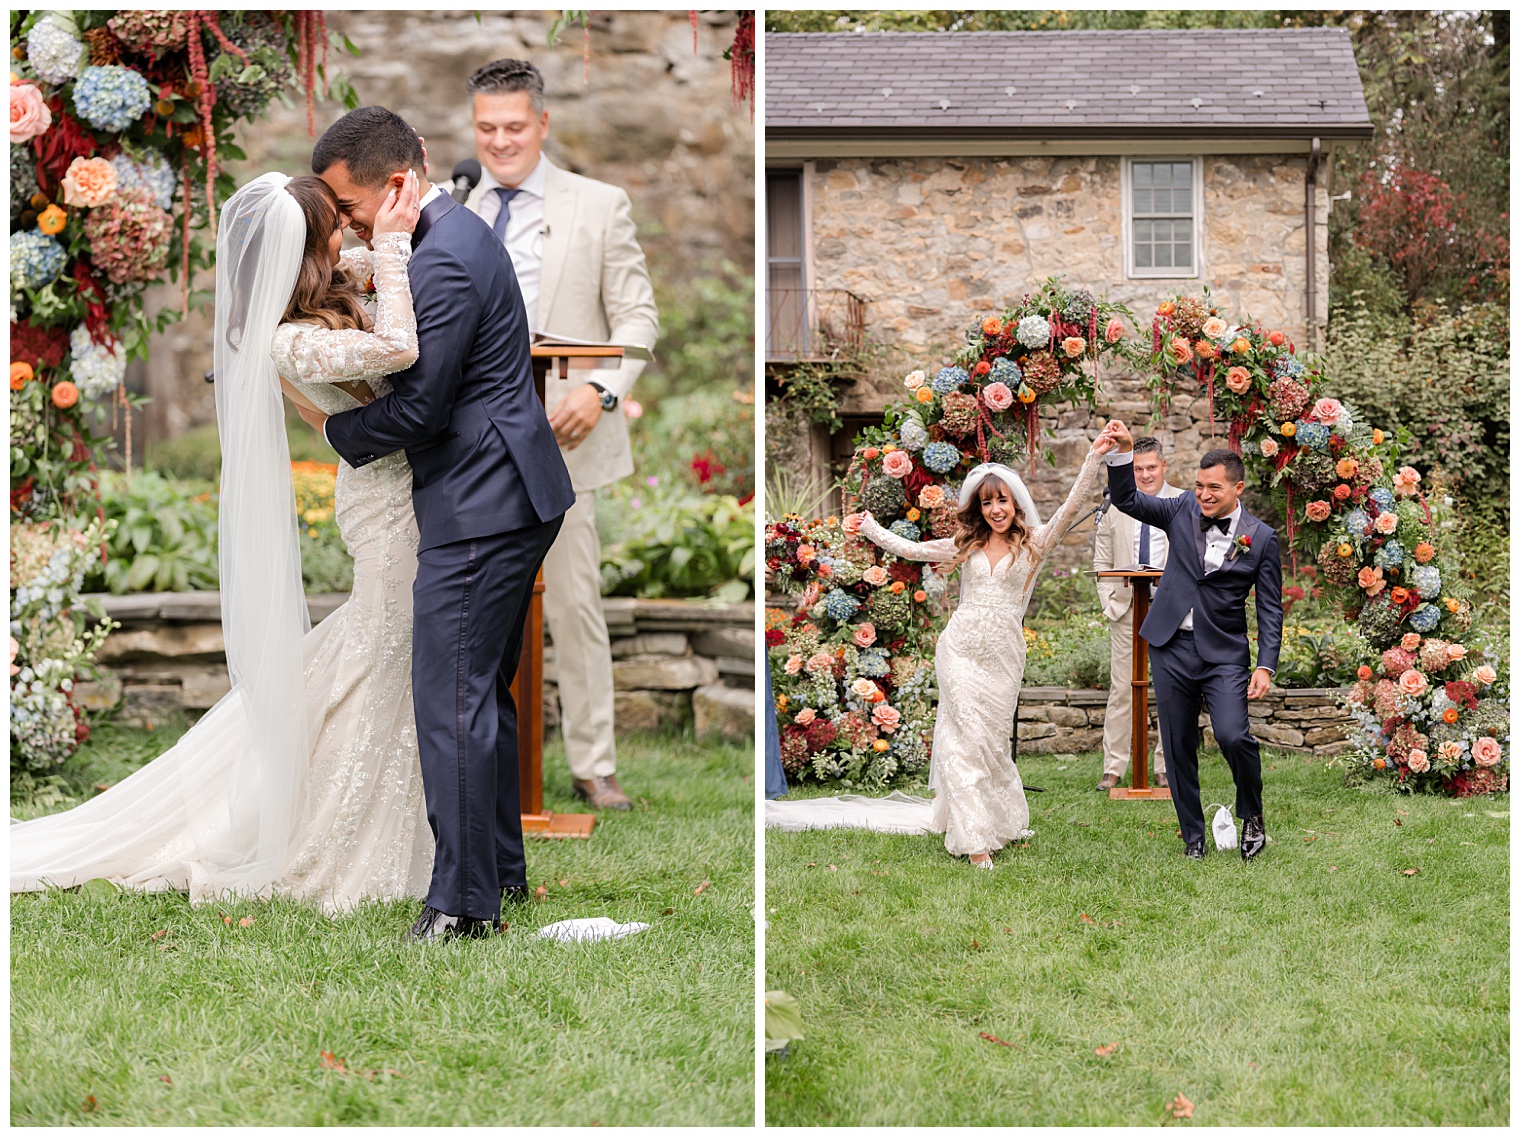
[[973, 531], [322, 294]]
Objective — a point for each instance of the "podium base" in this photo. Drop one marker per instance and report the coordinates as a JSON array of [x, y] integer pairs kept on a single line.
[[559, 825], [1151, 793]]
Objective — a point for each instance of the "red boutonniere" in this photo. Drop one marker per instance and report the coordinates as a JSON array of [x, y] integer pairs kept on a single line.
[[1242, 545]]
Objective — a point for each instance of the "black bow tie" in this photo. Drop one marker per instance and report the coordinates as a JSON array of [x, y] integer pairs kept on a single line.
[[1220, 523]]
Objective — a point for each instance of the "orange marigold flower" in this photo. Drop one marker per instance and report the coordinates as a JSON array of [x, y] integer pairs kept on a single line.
[[1449, 715], [52, 220], [992, 326]]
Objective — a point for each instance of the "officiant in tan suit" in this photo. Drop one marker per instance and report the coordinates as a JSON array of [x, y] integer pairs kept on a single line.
[[1121, 541], [576, 254]]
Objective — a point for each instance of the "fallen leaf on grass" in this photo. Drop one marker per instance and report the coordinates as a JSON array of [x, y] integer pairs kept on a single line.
[[90, 1105], [165, 1079], [226, 919], [1403, 813], [1397, 821], [330, 1061], [564, 884], [1181, 1107], [540, 892], [1105, 1051], [1332, 868], [101, 787], [707, 883], [1411, 872], [833, 868], [1308, 839], [1086, 919], [246, 922], [994, 1038], [158, 935]]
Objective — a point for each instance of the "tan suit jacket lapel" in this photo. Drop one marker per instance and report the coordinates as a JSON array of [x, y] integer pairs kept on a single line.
[[559, 226]]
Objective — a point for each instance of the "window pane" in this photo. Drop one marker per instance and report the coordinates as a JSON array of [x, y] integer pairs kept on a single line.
[[1145, 232], [1182, 174], [1143, 256], [783, 213], [1163, 255], [1143, 201], [1182, 254], [1142, 172]]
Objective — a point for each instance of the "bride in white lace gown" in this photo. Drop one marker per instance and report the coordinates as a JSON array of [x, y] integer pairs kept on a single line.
[[979, 802], [304, 784]]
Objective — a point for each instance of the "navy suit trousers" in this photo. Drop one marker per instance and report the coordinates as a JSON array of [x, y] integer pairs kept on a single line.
[[471, 602], [1183, 684]]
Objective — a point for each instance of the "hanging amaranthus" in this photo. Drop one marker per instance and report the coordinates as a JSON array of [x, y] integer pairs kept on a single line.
[[741, 61]]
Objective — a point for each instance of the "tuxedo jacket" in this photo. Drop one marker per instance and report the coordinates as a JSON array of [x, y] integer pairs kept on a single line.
[[1217, 599], [1114, 547], [484, 460], [593, 285]]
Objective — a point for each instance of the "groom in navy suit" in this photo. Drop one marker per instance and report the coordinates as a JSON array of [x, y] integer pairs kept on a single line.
[[1196, 628], [490, 490]]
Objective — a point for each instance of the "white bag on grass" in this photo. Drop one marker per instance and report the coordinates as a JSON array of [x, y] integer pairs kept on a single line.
[[1224, 828]]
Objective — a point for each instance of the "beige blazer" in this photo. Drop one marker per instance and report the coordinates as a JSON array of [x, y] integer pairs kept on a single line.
[[1114, 547], [593, 285]]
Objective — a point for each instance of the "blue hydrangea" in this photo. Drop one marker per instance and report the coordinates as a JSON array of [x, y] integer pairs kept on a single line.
[[111, 98], [153, 174], [1034, 332], [912, 434], [95, 368], [1391, 555], [948, 379], [1315, 435], [1424, 618], [1383, 496], [1426, 579], [935, 584], [840, 605], [1356, 524], [36, 259], [873, 663], [905, 529], [1287, 367], [53, 52], [1005, 370], [941, 457]]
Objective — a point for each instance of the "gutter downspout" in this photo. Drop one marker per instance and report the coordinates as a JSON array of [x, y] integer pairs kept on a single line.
[[1311, 269]]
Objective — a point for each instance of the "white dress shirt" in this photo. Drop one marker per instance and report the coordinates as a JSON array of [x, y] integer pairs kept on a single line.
[[525, 231]]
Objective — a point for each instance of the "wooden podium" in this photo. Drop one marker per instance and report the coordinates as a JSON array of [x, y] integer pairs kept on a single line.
[[528, 686], [1139, 737]]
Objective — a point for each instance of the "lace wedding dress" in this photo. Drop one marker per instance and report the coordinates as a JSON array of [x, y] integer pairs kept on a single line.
[[978, 799], [363, 831]]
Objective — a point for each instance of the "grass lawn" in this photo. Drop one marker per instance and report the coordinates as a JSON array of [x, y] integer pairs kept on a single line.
[[139, 1010], [1320, 984]]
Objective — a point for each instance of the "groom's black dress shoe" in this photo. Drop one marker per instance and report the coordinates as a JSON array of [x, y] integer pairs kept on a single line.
[[1253, 837], [1194, 849], [434, 927]]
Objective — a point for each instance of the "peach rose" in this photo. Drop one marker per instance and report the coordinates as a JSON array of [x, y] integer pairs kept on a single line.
[[886, 717], [1419, 762], [1269, 448], [1406, 483], [1413, 683], [1214, 327], [1074, 346], [1386, 523], [1181, 352], [876, 576], [810, 594], [865, 634], [1372, 580], [863, 688], [820, 663], [1327, 410], [1317, 510], [29, 113], [1114, 331], [852, 521], [89, 182], [1485, 675], [1486, 752], [1411, 641], [804, 716], [914, 380], [931, 497], [1456, 651], [1238, 379], [793, 664], [1451, 752], [897, 464], [998, 396]]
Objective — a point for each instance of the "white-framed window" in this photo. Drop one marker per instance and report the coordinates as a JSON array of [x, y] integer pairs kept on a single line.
[[1163, 217]]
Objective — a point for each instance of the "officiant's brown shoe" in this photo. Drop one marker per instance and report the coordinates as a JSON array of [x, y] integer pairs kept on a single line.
[[1108, 781], [602, 793]]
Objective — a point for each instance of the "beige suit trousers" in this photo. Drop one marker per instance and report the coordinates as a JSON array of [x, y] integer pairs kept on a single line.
[[582, 650], [1119, 719]]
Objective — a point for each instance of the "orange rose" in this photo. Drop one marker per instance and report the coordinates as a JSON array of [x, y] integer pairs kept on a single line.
[[992, 326], [898, 586], [1181, 352], [21, 374], [1372, 580], [1399, 595], [1317, 510], [52, 220], [880, 745], [1026, 393], [925, 395], [1452, 604], [65, 395], [1167, 308], [1379, 764], [89, 182], [1343, 550], [1241, 346], [1377, 438]]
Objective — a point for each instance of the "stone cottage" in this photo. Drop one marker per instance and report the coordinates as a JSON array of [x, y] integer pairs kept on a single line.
[[916, 180]]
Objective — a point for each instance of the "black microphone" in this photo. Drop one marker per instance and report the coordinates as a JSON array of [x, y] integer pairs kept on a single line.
[[466, 177], [1108, 500]]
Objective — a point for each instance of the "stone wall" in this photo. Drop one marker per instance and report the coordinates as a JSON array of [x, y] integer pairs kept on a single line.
[[649, 115], [674, 662], [1058, 720], [930, 243]]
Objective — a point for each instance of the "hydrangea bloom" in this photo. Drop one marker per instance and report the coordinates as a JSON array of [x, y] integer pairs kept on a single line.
[[1286, 367], [1315, 435], [129, 237], [1356, 522], [1080, 307], [873, 663], [912, 434], [1426, 579], [1005, 370], [95, 368], [111, 98], [1383, 496], [941, 457], [840, 605], [36, 259], [905, 529], [1034, 331], [1424, 618], [935, 585], [53, 52], [1390, 555], [948, 379], [23, 178], [153, 175]]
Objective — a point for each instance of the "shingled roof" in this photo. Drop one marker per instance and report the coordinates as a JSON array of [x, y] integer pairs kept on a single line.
[[1212, 83]]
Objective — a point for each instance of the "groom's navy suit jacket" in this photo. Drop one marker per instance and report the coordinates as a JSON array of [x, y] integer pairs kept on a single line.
[[484, 458], [1218, 599]]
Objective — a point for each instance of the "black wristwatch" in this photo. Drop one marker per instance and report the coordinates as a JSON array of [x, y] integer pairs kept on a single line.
[[609, 400]]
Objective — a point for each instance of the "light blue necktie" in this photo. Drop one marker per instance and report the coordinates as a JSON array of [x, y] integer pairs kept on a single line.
[[499, 226]]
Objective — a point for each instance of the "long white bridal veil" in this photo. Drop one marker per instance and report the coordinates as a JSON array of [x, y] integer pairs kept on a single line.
[[264, 618]]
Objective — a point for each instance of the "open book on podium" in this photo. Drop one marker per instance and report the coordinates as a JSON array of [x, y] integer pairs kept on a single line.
[[586, 353]]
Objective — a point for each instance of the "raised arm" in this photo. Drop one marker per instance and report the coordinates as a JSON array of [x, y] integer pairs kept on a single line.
[[313, 354], [939, 551], [1049, 535]]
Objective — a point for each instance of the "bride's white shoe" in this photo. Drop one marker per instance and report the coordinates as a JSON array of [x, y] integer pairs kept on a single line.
[[983, 864]]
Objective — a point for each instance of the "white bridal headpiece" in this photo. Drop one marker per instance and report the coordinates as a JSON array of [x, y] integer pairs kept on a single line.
[[1015, 485]]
